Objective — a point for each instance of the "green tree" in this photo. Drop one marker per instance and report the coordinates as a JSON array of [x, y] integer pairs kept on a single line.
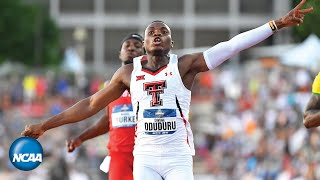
[[311, 24], [27, 34]]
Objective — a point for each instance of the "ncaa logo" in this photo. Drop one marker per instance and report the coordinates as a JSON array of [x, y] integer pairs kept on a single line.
[[26, 153]]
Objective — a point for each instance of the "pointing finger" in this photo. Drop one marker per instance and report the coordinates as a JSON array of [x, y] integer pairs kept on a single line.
[[300, 4], [304, 11]]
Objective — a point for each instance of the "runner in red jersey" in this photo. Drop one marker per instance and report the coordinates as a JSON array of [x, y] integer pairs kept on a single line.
[[119, 121]]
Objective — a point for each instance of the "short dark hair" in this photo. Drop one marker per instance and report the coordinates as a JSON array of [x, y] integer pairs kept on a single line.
[[158, 21], [135, 36]]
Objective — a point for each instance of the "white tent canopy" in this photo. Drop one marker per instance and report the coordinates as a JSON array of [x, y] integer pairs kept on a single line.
[[72, 61], [306, 54]]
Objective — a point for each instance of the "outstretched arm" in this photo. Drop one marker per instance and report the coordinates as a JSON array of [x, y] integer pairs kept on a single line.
[[101, 127], [84, 108], [312, 113], [214, 56]]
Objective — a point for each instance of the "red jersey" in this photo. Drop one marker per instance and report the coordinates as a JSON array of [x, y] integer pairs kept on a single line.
[[122, 124]]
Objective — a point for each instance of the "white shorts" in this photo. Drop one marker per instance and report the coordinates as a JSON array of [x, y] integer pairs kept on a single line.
[[163, 168]]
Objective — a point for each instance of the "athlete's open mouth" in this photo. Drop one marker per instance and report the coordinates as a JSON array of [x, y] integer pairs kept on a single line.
[[157, 40]]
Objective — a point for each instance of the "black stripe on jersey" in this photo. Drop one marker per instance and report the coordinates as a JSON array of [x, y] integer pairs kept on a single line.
[[137, 112], [178, 105], [136, 127]]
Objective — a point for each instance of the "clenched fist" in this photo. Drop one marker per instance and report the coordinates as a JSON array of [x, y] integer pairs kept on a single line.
[[72, 144], [34, 131]]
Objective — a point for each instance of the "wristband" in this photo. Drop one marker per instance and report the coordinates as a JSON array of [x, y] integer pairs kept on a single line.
[[273, 26]]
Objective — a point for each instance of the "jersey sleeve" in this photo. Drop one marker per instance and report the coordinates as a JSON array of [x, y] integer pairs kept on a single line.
[[316, 85]]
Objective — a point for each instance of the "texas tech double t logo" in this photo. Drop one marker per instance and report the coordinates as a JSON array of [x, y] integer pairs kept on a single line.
[[155, 89]]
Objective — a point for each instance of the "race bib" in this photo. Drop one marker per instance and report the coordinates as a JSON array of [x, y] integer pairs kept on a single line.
[[160, 121], [123, 116]]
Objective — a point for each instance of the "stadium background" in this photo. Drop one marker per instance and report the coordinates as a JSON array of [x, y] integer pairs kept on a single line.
[[246, 115]]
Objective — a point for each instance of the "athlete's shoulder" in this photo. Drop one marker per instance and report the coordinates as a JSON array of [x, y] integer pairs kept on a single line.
[[186, 57], [186, 60], [126, 68], [123, 74], [140, 58], [106, 83]]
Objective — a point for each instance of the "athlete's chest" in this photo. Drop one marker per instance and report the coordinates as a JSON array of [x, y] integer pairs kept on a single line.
[[156, 87], [157, 81]]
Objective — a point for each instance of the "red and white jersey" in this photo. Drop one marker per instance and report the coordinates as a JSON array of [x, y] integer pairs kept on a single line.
[[122, 124], [161, 102]]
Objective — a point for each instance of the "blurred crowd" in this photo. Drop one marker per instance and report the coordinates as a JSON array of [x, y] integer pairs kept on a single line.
[[30, 98], [251, 127], [246, 119]]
